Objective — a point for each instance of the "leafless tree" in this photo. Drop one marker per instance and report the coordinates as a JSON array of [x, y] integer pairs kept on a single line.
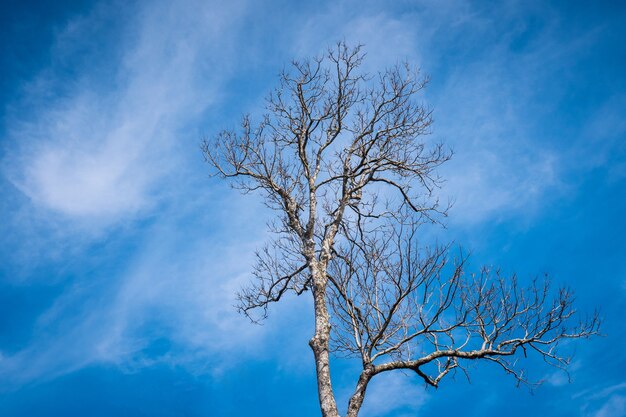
[[342, 158]]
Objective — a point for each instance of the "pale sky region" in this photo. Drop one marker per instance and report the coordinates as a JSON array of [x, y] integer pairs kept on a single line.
[[121, 257]]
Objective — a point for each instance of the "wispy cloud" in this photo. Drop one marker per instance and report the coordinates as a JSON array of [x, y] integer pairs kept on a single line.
[[178, 287], [394, 393], [501, 165], [104, 154], [604, 402], [96, 157]]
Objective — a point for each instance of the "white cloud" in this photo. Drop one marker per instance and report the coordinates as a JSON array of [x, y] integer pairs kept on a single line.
[[104, 179], [394, 392], [500, 168], [103, 155], [179, 287], [609, 401], [615, 406], [96, 157], [100, 157]]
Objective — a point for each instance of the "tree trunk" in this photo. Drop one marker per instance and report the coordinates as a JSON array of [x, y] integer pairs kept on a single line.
[[320, 344]]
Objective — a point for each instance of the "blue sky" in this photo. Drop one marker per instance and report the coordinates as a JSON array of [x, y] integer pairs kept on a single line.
[[120, 257]]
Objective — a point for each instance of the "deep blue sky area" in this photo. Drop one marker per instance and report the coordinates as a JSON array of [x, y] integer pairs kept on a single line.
[[120, 257]]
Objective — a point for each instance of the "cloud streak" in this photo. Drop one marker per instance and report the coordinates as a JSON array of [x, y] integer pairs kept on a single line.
[[105, 154]]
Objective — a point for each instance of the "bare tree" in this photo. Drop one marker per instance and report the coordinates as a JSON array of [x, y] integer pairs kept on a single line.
[[342, 159]]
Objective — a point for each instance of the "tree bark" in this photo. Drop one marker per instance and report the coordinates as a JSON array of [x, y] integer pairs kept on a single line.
[[356, 401], [320, 344]]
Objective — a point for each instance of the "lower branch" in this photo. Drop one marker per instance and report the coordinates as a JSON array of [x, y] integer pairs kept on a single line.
[[356, 401]]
